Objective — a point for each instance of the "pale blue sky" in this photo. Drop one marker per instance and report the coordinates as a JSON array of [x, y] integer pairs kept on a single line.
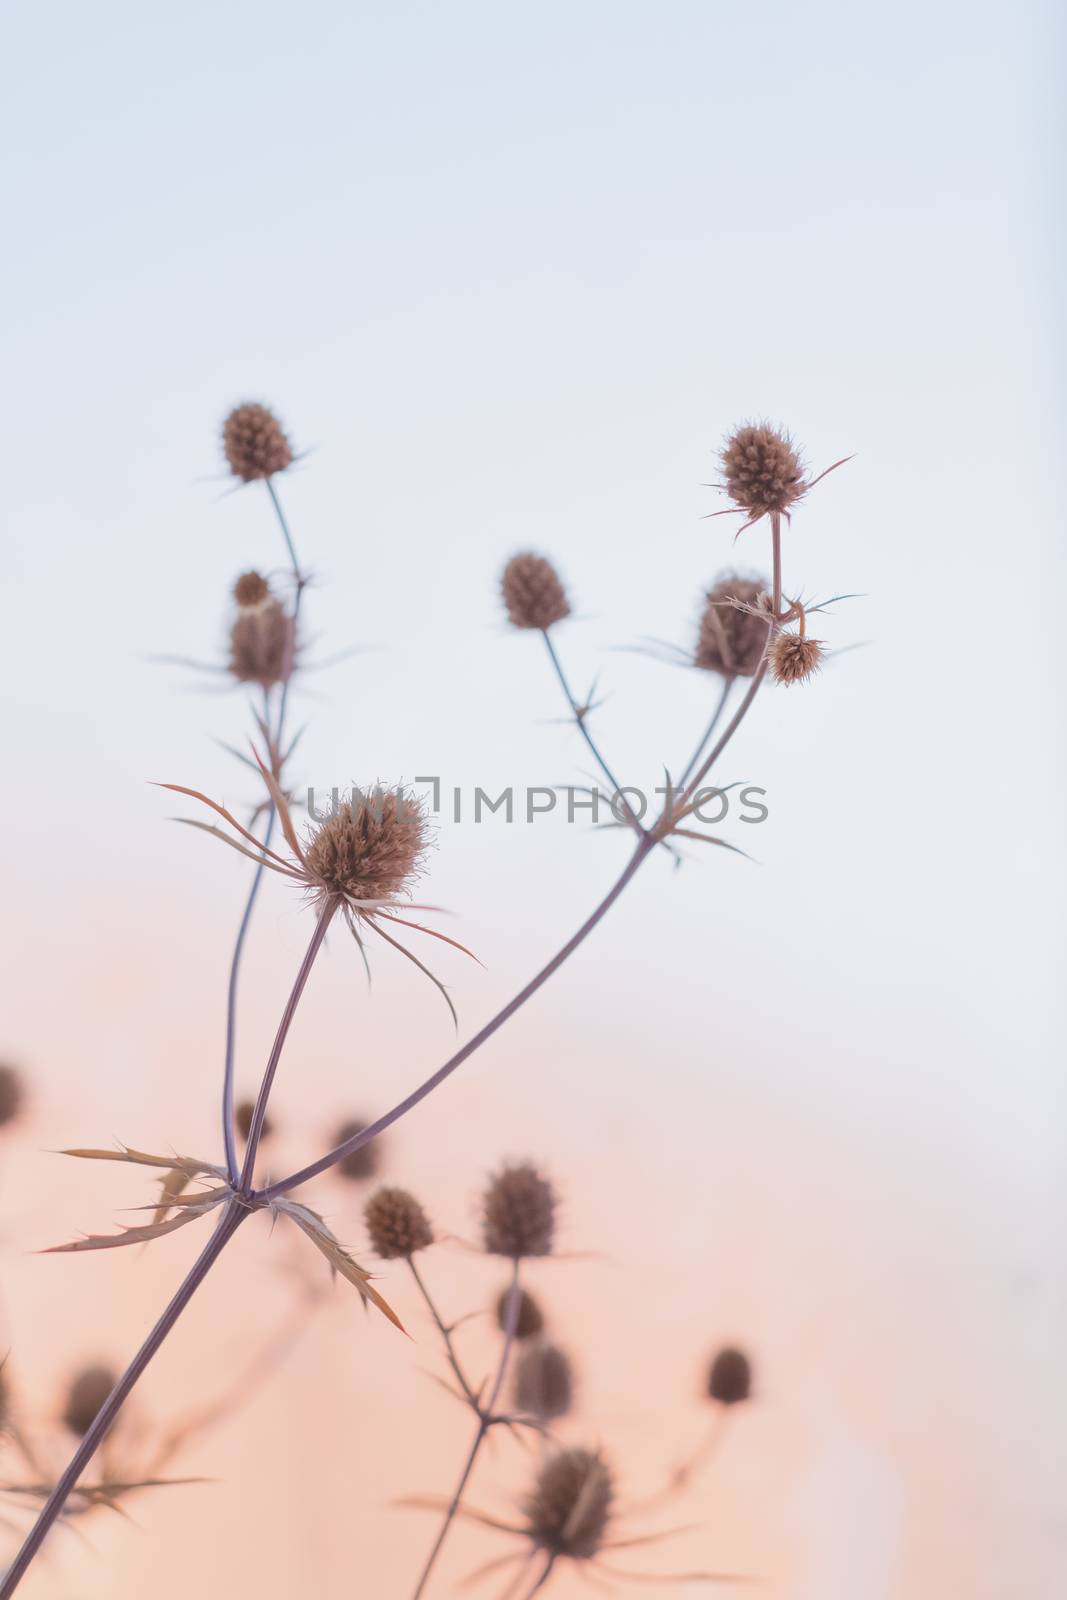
[[511, 272]]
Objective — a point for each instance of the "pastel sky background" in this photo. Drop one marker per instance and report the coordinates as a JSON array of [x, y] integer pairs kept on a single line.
[[509, 273]]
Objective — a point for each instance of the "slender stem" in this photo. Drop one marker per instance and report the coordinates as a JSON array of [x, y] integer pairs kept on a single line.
[[358, 1140], [546, 1573], [228, 1135], [485, 1422], [446, 1334], [255, 1130], [580, 713], [227, 1225], [720, 707]]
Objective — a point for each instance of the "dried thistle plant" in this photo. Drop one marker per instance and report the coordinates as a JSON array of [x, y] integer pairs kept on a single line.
[[361, 864]]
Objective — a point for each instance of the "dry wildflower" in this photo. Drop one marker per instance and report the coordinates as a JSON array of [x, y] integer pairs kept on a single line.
[[763, 472], [362, 1163], [251, 589], [88, 1391], [729, 1376], [11, 1094], [533, 594], [530, 1319], [795, 657], [243, 1113], [396, 1223], [544, 1381], [254, 443], [732, 634], [519, 1213], [361, 860], [262, 646], [569, 1509]]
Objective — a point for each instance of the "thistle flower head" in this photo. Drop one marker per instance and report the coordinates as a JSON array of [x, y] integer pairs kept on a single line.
[[544, 1381], [795, 657], [371, 849], [262, 645], [254, 443], [11, 1094], [534, 596], [569, 1509], [729, 1376], [762, 469], [519, 1212], [362, 1163], [360, 861], [732, 633], [88, 1390], [396, 1223], [529, 1320], [250, 589]]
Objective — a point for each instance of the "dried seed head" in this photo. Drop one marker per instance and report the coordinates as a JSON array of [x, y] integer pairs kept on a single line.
[[11, 1094], [397, 1224], [530, 1319], [88, 1391], [243, 1114], [251, 589], [254, 442], [569, 1509], [533, 594], [730, 640], [372, 847], [261, 644], [362, 1163], [544, 1381], [794, 657], [519, 1213], [762, 469], [730, 1377]]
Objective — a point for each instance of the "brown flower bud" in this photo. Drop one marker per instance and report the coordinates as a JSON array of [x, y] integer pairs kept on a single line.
[[397, 1224], [731, 640], [569, 1509], [251, 589], [372, 847], [530, 1319], [544, 1381], [88, 1391], [519, 1213], [794, 657], [261, 644], [533, 594], [730, 1377], [762, 469], [254, 443], [362, 1163], [243, 1114], [11, 1094]]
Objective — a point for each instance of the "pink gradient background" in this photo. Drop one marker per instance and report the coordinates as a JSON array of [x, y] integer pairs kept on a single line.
[[512, 280]]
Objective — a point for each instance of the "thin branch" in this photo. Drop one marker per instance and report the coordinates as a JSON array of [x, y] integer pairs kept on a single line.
[[446, 1335], [580, 715]]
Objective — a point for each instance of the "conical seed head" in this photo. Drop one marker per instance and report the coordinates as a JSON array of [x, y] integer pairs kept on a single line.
[[763, 471], [519, 1212], [544, 1381], [397, 1224], [254, 442], [731, 640], [261, 644], [251, 589], [534, 596], [362, 1163], [372, 847], [729, 1376], [569, 1509], [88, 1390], [529, 1319], [794, 659]]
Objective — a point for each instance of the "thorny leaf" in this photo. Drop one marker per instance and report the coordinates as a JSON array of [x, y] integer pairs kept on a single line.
[[190, 1209], [191, 1165], [340, 1261]]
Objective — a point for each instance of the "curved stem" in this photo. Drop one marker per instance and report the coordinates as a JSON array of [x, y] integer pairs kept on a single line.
[[227, 1225], [709, 731], [446, 1335], [546, 1573], [485, 1422], [259, 1115], [580, 713], [228, 1135]]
